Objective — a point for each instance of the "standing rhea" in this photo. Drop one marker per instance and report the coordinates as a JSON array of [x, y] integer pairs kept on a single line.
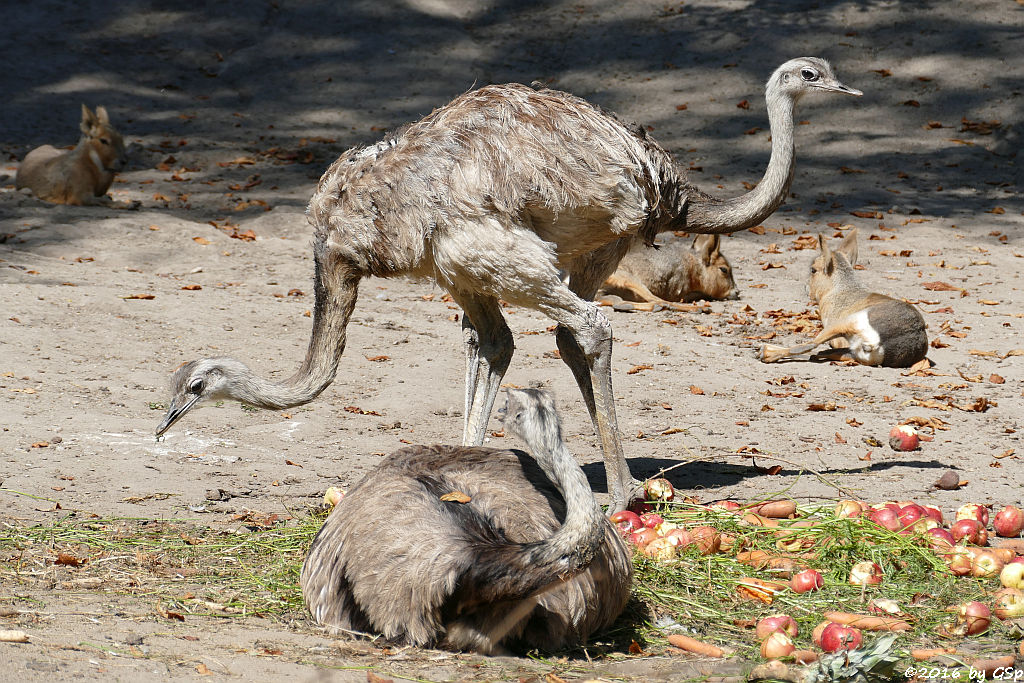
[[870, 328], [529, 560], [495, 196], [81, 176], [679, 270]]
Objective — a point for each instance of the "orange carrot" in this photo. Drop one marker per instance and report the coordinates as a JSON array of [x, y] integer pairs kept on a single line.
[[776, 509], [696, 646], [867, 622], [921, 654], [990, 666]]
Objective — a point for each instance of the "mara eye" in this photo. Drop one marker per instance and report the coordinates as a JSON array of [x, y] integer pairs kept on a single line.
[[105, 141], [725, 271], [809, 74], [196, 387]]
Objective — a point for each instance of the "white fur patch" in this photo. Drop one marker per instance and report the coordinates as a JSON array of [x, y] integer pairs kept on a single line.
[[866, 345], [95, 157]]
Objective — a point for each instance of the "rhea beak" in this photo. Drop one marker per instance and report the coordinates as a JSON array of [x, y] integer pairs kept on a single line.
[[845, 89], [175, 412]]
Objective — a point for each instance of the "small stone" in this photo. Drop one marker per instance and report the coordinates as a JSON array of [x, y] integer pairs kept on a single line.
[[949, 481]]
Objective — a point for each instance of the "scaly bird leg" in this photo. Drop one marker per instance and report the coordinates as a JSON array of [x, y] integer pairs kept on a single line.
[[489, 349]]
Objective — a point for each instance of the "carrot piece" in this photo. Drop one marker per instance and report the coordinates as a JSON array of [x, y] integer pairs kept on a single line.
[[776, 509], [867, 622], [990, 666], [922, 653], [696, 646]]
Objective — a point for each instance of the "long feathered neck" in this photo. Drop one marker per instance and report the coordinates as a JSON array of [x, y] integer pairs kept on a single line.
[[711, 215], [335, 288], [574, 545]]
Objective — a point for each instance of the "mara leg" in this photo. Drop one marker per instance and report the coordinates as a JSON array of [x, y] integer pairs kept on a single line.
[[771, 353], [631, 284], [489, 349]]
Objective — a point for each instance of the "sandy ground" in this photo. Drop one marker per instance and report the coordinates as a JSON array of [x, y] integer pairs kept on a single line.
[[232, 115]]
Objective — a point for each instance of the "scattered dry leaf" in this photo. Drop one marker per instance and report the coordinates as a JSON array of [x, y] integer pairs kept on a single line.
[[456, 497]]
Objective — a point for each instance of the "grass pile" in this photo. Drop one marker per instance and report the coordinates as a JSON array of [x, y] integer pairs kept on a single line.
[[703, 595], [251, 566]]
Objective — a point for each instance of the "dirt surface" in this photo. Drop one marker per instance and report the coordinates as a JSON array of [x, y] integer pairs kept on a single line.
[[232, 111]]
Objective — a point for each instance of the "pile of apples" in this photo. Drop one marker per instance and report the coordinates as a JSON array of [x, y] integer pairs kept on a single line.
[[963, 546]]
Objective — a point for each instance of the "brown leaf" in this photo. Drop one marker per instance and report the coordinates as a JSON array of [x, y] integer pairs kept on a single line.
[[192, 288], [853, 422], [681, 107], [979, 405], [292, 463], [200, 240], [867, 214], [203, 670], [987, 354], [839, 438], [671, 430], [377, 359], [743, 104], [635, 649], [704, 330], [819, 407], [884, 73], [456, 497], [1005, 454], [139, 296], [996, 379], [940, 287], [41, 444], [639, 368], [67, 560], [695, 390], [988, 302]]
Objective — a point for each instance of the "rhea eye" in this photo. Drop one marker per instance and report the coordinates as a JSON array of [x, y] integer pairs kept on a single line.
[[809, 74], [196, 387]]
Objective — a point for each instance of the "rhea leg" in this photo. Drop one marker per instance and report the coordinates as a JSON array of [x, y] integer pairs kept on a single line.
[[489, 349]]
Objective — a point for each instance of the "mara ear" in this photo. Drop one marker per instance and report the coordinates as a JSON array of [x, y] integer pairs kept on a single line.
[[101, 116], [830, 265], [849, 247], [706, 247], [88, 119], [823, 248]]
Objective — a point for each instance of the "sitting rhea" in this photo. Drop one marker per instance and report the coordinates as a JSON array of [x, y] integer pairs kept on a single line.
[[520, 556], [677, 269], [870, 328]]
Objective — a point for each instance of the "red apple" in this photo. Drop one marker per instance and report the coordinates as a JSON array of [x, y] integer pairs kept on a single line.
[[626, 521], [333, 496], [969, 531], [651, 519], [866, 573], [849, 508], [1009, 521], [776, 623], [933, 512], [777, 645], [971, 619], [1012, 574], [886, 518], [1008, 603], [984, 563], [639, 506], [910, 514], [659, 489], [837, 637], [958, 560], [807, 580], [679, 537], [643, 536], [903, 438], [973, 511], [939, 539], [659, 549]]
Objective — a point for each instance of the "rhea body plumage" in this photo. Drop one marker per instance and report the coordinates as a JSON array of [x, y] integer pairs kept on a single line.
[[529, 560]]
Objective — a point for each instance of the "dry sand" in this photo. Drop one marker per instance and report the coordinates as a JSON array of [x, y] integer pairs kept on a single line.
[[234, 110]]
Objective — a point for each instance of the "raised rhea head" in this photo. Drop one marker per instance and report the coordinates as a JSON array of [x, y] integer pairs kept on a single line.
[[825, 265], [802, 75]]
